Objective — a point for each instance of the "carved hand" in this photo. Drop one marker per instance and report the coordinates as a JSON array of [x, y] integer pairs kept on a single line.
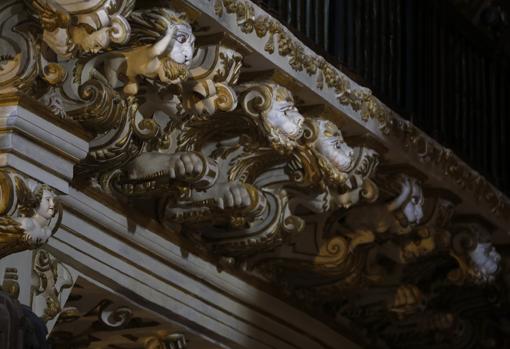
[[233, 195], [407, 300], [185, 165]]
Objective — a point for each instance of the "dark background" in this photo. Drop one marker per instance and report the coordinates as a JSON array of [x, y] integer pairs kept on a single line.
[[443, 64]]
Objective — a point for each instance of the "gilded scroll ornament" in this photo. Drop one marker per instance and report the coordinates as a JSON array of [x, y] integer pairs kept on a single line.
[[82, 27], [49, 279], [161, 50]]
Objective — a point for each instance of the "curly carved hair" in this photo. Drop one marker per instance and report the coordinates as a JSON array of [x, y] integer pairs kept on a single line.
[[148, 26]]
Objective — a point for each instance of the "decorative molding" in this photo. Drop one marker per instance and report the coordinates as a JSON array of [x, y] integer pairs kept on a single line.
[[236, 167], [252, 20]]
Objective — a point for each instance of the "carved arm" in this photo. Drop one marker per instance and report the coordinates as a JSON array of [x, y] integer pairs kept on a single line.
[[402, 197], [160, 46]]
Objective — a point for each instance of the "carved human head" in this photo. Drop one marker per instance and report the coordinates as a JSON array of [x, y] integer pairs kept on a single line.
[[150, 26], [182, 44], [426, 240], [90, 40], [45, 196], [272, 106], [330, 144], [283, 114], [412, 208], [472, 247], [485, 261]]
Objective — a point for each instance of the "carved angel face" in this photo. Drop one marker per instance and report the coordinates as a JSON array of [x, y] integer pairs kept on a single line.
[[59, 41], [413, 209], [182, 45], [330, 143], [46, 207], [89, 40], [284, 116], [418, 248], [485, 260]]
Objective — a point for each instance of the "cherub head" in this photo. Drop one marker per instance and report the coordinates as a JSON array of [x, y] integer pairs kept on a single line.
[[45, 197], [89, 40], [330, 144]]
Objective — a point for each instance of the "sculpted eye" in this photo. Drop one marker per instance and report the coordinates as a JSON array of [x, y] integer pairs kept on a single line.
[[181, 38]]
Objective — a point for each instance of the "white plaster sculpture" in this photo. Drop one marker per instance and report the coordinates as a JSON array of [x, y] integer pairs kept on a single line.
[[484, 260], [162, 49], [37, 226], [85, 27], [399, 216], [330, 144]]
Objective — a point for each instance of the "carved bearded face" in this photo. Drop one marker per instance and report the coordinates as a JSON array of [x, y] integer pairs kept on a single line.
[[182, 45], [332, 146], [485, 260], [284, 116], [413, 209], [175, 63]]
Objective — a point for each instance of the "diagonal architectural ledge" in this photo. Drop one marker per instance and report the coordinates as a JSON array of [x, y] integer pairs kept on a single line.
[[216, 184]]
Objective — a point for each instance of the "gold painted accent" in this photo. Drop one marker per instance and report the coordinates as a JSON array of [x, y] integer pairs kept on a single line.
[[41, 110], [403, 133]]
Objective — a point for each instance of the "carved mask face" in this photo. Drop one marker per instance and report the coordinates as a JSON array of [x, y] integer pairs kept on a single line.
[[182, 45], [96, 41], [46, 207], [413, 210], [332, 146], [59, 41], [284, 116], [485, 260], [418, 248], [90, 40]]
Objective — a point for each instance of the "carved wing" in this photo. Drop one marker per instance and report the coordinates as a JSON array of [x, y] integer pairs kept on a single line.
[[12, 236]]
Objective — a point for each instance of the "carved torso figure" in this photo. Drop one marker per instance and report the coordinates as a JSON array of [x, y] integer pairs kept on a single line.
[[36, 226], [162, 49], [30, 220]]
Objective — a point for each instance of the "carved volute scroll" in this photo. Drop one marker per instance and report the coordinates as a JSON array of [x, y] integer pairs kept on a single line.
[[30, 213], [181, 120], [82, 27], [49, 278], [18, 50]]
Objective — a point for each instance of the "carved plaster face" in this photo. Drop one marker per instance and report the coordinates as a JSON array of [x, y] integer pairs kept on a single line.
[[332, 146], [89, 40], [284, 116], [182, 45], [46, 207], [485, 260], [413, 209], [418, 248], [59, 41]]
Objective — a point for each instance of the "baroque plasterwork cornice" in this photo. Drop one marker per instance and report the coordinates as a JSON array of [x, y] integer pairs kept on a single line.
[[254, 25], [221, 141]]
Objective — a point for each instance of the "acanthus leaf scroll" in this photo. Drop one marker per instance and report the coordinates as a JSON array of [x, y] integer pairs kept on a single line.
[[237, 166]]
